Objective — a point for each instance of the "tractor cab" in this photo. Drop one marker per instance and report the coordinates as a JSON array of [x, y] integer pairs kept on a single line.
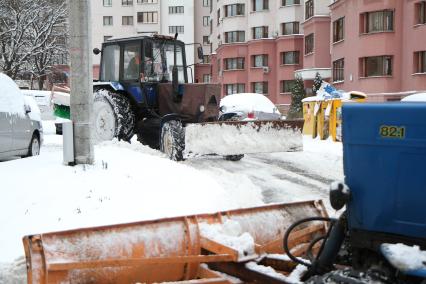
[[138, 64], [142, 59]]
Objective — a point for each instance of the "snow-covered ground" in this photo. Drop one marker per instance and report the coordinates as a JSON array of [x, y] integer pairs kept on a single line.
[[131, 182]]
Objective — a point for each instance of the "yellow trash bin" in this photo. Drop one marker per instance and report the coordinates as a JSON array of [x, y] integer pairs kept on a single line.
[[309, 118]]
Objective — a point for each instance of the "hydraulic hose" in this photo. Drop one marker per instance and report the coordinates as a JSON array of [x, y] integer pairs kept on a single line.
[[294, 225]]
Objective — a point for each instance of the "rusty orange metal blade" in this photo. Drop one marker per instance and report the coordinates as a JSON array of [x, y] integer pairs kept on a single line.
[[161, 250]]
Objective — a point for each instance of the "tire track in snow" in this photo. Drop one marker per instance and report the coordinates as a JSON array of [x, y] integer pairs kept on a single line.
[[287, 166], [278, 180]]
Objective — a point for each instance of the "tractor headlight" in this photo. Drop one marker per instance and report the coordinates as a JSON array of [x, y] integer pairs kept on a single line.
[[339, 195], [202, 108]]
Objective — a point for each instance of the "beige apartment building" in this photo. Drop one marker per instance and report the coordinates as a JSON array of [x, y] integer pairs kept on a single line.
[[124, 18]]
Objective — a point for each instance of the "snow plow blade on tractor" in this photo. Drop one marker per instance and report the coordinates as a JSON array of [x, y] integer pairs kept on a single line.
[[189, 249], [242, 137]]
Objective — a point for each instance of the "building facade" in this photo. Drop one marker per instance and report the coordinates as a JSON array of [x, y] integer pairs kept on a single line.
[[258, 45], [389, 60], [121, 18], [372, 46]]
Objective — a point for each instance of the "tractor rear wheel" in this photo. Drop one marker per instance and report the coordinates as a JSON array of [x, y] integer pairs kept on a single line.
[[172, 142], [113, 116]]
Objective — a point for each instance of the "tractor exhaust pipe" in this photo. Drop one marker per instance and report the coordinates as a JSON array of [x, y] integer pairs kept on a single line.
[[175, 79]]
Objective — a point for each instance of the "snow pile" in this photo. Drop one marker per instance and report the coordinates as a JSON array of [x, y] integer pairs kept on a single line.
[[11, 98], [126, 184], [247, 102], [294, 276], [14, 273], [223, 139], [405, 257], [230, 234]]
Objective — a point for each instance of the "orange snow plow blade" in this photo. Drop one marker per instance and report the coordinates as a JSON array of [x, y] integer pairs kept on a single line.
[[164, 250]]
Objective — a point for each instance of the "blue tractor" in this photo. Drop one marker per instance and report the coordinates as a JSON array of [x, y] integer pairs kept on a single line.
[[143, 89], [384, 147]]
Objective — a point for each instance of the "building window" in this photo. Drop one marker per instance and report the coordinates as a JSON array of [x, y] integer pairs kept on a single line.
[[206, 21], [290, 28], [420, 62], [126, 2], [206, 78], [206, 3], [206, 40], [147, 17], [260, 60], [260, 32], [236, 63], [107, 3], [379, 21], [290, 57], [218, 66], [260, 5], [107, 20], [260, 87], [236, 36], [147, 1], [234, 88], [176, 10], [107, 38], [339, 70], [376, 66], [176, 29], [206, 59], [309, 43], [287, 86], [290, 2], [127, 20], [339, 29], [420, 12], [309, 9], [234, 10]]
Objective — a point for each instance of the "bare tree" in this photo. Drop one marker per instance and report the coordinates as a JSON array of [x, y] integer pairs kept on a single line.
[[32, 33]]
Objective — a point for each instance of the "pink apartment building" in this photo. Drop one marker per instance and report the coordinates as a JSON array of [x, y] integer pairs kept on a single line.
[[258, 45], [378, 47]]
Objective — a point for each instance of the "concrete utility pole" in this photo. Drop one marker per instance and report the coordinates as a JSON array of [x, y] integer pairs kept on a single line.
[[81, 79]]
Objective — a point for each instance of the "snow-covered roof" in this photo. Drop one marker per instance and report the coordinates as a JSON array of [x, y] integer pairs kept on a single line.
[[247, 102], [420, 97], [11, 98]]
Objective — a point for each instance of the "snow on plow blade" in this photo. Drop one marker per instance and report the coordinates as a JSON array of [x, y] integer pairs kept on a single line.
[[243, 137], [171, 249]]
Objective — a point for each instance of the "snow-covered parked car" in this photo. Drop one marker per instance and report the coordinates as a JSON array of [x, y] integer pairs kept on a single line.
[[43, 99], [21, 132], [248, 106], [415, 98]]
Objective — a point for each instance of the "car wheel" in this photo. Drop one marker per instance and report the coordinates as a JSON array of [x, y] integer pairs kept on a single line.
[[34, 148], [233, 158]]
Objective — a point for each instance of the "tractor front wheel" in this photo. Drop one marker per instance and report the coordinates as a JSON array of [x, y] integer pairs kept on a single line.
[[113, 116], [172, 141]]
